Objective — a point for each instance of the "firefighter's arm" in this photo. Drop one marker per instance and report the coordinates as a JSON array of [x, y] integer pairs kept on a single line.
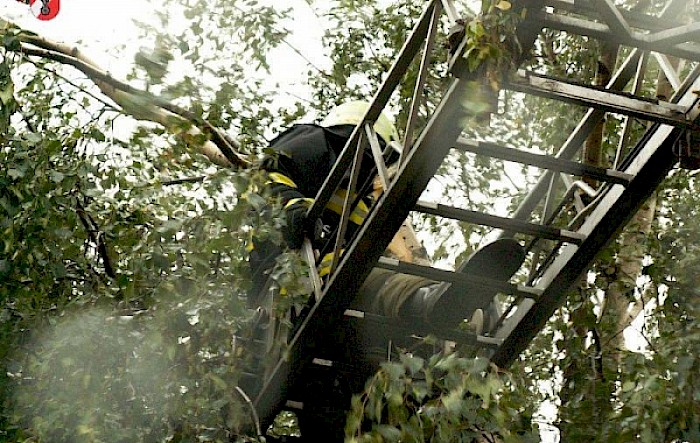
[[295, 205]]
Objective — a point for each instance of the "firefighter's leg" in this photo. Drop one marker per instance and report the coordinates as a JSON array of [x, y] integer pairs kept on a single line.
[[384, 292], [430, 305], [413, 298]]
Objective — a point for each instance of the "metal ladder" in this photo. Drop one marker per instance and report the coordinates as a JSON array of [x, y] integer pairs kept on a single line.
[[571, 242]]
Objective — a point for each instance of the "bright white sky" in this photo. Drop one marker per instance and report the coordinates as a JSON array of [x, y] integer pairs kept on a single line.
[[95, 25], [98, 27]]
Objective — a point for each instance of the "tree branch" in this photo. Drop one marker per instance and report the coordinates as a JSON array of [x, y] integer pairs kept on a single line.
[[220, 149], [75, 85], [96, 236], [179, 181], [598, 357]]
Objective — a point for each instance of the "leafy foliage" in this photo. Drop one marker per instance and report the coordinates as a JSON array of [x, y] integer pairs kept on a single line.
[[444, 399], [120, 287]]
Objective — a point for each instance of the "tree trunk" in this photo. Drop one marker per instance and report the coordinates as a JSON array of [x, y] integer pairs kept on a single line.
[[620, 298], [585, 386], [620, 307]]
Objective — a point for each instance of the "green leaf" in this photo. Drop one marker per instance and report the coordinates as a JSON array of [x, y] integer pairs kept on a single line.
[[5, 267], [218, 381], [453, 401], [11, 42], [56, 176], [97, 134], [33, 137], [7, 91], [15, 173], [393, 370], [390, 433]]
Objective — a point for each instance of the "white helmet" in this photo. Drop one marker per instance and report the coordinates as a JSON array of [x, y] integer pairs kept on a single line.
[[351, 113]]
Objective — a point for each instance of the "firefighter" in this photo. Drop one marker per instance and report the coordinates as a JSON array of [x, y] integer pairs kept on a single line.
[[305, 155]]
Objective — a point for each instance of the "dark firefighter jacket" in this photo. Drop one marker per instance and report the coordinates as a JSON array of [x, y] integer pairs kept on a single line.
[[305, 156]]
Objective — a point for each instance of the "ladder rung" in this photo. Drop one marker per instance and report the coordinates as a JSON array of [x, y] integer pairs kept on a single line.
[[394, 327], [354, 313], [600, 98], [509, 224], [322, 362], [543, 161], [295, 405]]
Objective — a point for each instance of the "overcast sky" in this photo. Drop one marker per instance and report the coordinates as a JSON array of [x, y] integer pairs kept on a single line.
[[98, 26]]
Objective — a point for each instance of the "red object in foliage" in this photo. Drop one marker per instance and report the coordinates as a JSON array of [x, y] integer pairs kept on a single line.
[[45, 9]]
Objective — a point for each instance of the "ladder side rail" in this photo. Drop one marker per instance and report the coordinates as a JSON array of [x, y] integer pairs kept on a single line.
[[549, 207], [347, 202], [549, 211], [422, 76], [407, 54], [382, 171], [637, 84], [309, 257], [649, 164]]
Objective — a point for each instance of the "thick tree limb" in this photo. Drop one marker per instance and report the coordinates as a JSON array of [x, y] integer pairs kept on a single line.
[[195, 131], [97, 237], [632, 250]]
